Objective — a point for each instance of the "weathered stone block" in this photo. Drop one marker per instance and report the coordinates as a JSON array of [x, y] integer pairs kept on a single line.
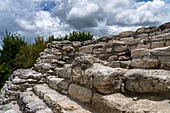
[[113, 58], [126, 34], [105, 79], [164, 51], [114, 64], [139, 52], [122, 58], [120, 48], [145, 63], [98, 51], [76, 44], [53, 82], [157, 44], [168, 43], [99, 105], [80, 93], [86, 49], [108, 50], [147, 81]]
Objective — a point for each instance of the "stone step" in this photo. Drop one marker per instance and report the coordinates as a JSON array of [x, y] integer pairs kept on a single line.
[[120, 103], [60, 103], [30, 103], [11, 107]]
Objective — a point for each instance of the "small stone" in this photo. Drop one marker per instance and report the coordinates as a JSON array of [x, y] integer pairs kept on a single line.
[[157, 44], [121, 58], [113, 58], [120, 48], [109, 50], [80, 93], [139, 52]]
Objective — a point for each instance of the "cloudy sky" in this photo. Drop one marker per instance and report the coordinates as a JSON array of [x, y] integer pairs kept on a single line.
[[32, 18]]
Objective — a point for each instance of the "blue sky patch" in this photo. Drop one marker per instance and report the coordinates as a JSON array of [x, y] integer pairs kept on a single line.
[[47, 5]]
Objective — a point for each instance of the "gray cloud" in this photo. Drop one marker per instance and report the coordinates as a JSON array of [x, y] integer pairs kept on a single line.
[[100, 17]]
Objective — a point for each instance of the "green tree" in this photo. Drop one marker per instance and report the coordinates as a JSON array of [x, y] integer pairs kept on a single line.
[[5, 72], [11, 44], [10, 47], [78, 36]]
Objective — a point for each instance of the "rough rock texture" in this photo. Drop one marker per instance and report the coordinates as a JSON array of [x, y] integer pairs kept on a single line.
[[148, 81], [19, 81]]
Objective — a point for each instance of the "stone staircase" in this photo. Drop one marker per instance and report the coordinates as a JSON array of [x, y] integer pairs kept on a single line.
[[124, 73]]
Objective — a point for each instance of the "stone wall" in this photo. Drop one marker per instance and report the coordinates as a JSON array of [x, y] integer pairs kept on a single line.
[[94, 71], [147, 47]]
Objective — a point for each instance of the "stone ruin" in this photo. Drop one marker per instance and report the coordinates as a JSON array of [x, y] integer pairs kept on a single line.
[[124, 73]]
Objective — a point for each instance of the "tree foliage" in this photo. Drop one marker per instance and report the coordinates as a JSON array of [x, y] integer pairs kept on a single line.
[[16, 53], [11, 44], [78, 36]]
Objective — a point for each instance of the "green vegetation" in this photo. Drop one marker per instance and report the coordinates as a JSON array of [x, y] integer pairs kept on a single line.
[[80, 36], [16, 53], [76, 36]]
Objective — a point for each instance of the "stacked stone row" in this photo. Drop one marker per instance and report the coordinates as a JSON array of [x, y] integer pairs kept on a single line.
[[99, 86], [18, 82]]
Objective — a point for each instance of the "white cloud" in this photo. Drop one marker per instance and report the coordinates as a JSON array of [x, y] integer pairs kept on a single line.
[[81, 12], [100, 17]]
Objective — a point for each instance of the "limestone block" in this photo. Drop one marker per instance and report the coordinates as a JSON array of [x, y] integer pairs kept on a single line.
[[144, 45], [127, 39], [122, 58], [164, 51], [46, 66], [46, 110], [108, 50], [67, 71], [139, 52], [166, 36], [53, 82], [63, 85], [157, 44], [105, 79], [147, 81], [145, 63], [168, 43], [68, 48], [77, 74], [114, 64], [14, 87], [120, 48], [86, 49], [168, 63], [113, 58], [76, 44], [141, 30], [41, 90], [59, 72], [164, 59], [142, 36], [52, 99], [133, 41], [125, 64], [32, 107], [30, 103], [102, 56], [117, 102], [37, 76], [126, 34], [18, 81], [98, 104], [80, 93], [98, 51]]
